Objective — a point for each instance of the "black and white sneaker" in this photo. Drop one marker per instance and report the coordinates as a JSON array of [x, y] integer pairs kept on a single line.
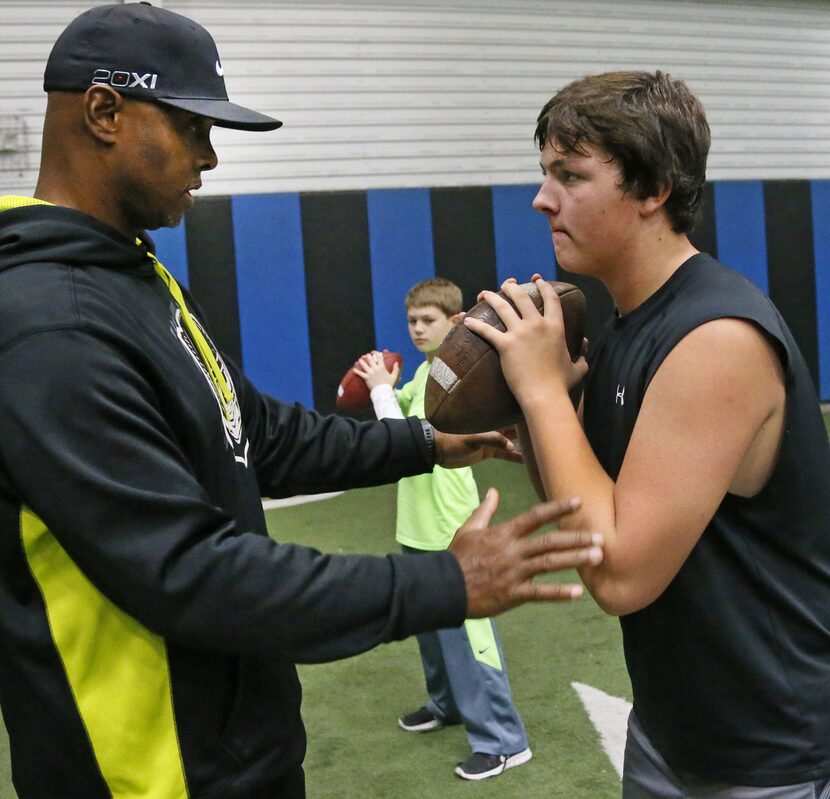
[[479, 766], [420, 720]]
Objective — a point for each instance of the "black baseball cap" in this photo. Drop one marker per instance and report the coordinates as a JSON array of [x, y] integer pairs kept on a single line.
[[148, 53]]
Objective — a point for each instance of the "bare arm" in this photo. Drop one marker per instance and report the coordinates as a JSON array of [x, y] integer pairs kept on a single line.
[[526, 449], [707, 426]]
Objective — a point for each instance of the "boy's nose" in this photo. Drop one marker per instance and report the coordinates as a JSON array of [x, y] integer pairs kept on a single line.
[[544, 201], [537, 201]]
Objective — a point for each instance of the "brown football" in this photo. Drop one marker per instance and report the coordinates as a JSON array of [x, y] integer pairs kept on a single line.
[[466, 391], [353, 393]]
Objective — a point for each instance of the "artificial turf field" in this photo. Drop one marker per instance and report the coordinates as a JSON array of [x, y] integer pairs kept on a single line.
[[350, 707]]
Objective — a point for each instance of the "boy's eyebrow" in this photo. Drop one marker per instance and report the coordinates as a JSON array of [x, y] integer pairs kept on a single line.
[[566, 160], [554, 164]]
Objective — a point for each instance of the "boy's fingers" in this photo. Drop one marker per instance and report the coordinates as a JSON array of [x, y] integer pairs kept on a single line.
[[501, 306], [552, 302], [521, 299], [487, 332]]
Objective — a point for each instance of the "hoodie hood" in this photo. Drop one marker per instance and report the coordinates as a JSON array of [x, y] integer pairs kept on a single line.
[[36, 232], [42, 233]]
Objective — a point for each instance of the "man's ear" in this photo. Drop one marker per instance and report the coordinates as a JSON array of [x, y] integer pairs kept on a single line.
[[102, 108]]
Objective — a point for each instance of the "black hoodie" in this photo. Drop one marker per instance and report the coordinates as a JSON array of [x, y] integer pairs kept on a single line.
[[148, 625]]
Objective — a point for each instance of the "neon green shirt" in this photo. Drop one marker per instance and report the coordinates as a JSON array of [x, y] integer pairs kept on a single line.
[[431, 507]]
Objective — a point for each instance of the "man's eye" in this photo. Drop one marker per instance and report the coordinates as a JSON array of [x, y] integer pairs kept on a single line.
[[198, 128]]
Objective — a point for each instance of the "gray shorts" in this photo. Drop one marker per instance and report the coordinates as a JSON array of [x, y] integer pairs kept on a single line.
[[647, 776]]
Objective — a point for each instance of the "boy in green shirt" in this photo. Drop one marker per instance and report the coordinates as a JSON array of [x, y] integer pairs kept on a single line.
[[463, 667]]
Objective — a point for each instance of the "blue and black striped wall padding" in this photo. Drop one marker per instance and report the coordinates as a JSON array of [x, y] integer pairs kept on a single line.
[[295, 286]]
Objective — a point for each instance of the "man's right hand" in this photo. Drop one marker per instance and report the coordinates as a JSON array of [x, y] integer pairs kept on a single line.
[[500, 562]]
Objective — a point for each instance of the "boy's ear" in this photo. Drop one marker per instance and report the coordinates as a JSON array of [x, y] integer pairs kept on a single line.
[[456, 317], [653, 204]]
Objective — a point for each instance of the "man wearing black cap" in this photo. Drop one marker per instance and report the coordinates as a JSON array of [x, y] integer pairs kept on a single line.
[[148, 625]]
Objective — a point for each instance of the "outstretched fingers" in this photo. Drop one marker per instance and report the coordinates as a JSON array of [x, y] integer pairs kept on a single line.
[[482, 515], [555, 552], [545, 512], [551, 552], [567, 541], [555, 557], [547, 592], [500, 562]]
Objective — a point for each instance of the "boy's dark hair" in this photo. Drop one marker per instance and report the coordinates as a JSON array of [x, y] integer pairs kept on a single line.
[[437, 291], [650, 124]]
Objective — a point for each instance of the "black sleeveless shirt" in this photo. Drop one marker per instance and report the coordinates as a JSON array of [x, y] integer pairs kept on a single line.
[[730, 666]]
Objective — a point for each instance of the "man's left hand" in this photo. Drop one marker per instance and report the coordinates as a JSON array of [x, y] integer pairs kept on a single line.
[[453, 451]]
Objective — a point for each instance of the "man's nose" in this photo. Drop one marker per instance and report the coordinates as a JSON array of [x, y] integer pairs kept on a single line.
[[209, 158]]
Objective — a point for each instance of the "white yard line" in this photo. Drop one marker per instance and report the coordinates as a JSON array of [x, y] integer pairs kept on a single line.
[[270, 504], [609, 715]]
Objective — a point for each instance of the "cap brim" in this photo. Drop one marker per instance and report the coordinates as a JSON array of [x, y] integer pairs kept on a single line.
[[224, 113]]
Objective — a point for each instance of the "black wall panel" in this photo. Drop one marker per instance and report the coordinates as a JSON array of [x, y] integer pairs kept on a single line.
[[705, 234], [338, 287], [463, 238], [212, 271], [790, 262], [334, 259]]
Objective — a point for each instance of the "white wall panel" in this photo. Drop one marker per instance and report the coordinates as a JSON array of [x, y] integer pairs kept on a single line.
[[27, 32], [382, 93]]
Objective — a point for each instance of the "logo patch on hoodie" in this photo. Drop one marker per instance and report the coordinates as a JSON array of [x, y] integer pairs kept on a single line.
[[229, 412]]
